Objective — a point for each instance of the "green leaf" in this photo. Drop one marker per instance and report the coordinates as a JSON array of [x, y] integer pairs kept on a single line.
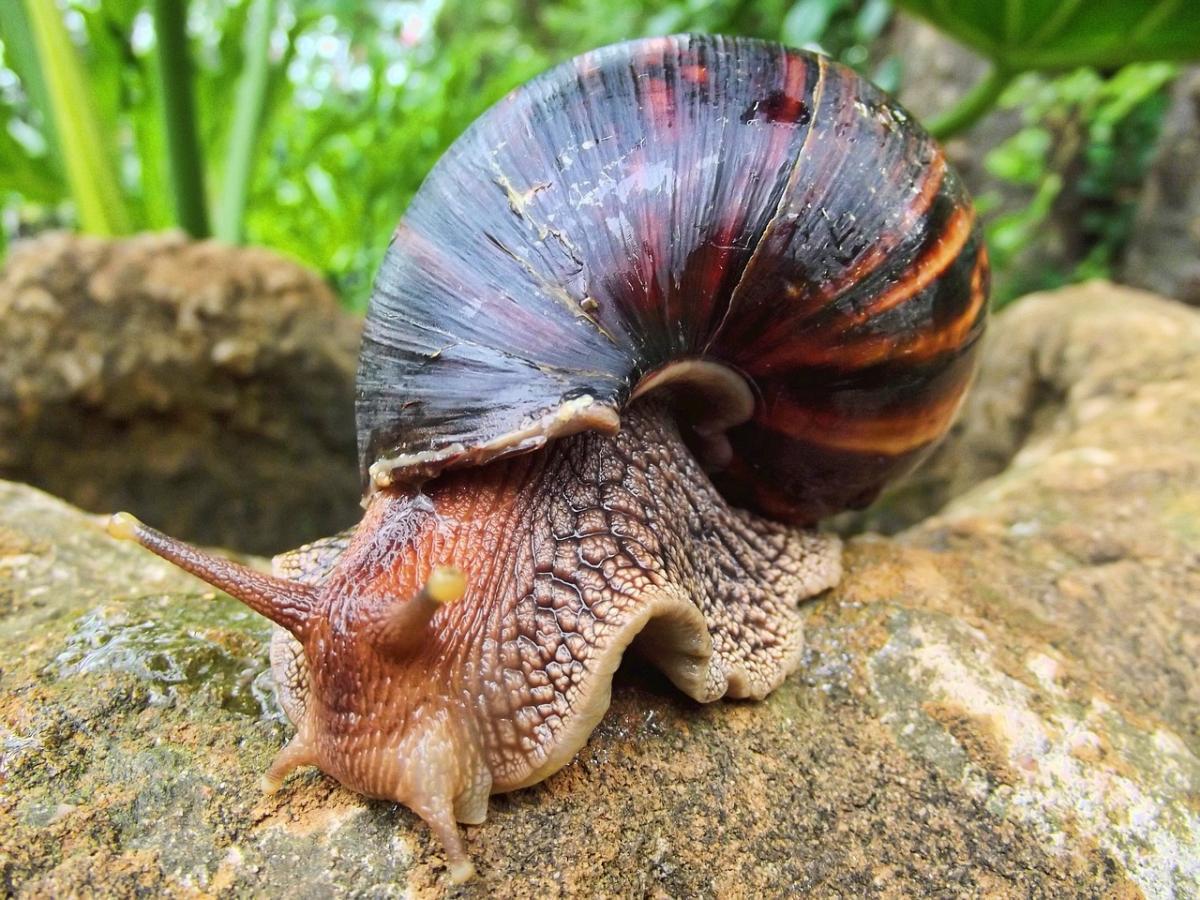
[[1010, 233], [1130, 87], [249, 111], [145, 117], [975, 104], [808, 21], [179, 116], [21, 55], [888, 74], [1020, 35], [871, 20], [1022, 158], [90, 173], [23, 174]]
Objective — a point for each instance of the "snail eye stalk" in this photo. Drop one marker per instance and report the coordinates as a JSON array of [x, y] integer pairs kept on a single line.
[[402, 628], [288, 604]]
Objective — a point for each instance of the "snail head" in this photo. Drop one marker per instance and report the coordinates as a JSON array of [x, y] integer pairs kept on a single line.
[[357, 668]]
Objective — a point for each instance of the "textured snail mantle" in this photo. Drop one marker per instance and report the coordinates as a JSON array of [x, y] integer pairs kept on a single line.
[[651, 315]]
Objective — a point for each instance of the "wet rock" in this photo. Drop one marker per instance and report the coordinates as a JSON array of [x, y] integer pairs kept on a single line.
[[999, 701], [1164, 249], [208, 388]]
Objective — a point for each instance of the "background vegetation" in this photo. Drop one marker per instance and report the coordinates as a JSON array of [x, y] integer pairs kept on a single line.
[[306, 125]]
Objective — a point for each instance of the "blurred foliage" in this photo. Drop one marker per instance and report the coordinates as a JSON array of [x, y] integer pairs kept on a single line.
[[1023, 35], [184, 155], [354, 104], [35, 32], [318, 119], [1054, 35], [1083, 149]]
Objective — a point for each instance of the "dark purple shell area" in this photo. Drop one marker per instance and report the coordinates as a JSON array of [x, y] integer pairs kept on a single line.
[[668, 199]]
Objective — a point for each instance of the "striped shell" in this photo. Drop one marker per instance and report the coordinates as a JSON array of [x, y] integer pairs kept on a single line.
[[677, 199]]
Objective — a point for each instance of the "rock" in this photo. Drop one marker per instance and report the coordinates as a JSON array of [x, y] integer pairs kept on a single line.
[[999, 701], [207, 388], [1164, 249]]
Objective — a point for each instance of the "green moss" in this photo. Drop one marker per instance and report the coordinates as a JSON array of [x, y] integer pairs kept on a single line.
[[212, 646]]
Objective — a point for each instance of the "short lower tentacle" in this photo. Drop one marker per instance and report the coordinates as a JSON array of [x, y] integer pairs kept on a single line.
[[297, 753]]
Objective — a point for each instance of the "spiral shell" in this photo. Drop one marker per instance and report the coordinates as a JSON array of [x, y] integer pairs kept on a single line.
[[671, 209]]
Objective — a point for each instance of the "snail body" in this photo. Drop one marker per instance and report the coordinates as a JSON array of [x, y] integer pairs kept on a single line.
[[651, 316]]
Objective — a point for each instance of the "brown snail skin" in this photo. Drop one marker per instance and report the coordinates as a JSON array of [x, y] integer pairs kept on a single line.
[[652, 316]]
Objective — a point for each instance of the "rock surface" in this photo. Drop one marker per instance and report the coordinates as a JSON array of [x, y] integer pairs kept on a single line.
[[1164, 249], [208, 388], [999, 701]]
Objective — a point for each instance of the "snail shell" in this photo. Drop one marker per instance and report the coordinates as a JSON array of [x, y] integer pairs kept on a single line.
[[683, 251], [679, 200]]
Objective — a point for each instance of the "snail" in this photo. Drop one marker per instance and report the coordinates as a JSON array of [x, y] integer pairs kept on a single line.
[[650, 318]]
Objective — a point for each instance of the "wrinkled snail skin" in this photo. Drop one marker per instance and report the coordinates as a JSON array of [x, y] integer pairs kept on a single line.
[[652, 314]]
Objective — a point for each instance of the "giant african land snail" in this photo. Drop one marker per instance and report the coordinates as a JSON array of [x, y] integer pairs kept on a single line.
[[663, 284]]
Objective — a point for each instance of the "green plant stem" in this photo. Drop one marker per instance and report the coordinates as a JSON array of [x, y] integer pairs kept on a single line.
[[248, 115], [977, 103], [81, 147], [179, 116], [22, 55]]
